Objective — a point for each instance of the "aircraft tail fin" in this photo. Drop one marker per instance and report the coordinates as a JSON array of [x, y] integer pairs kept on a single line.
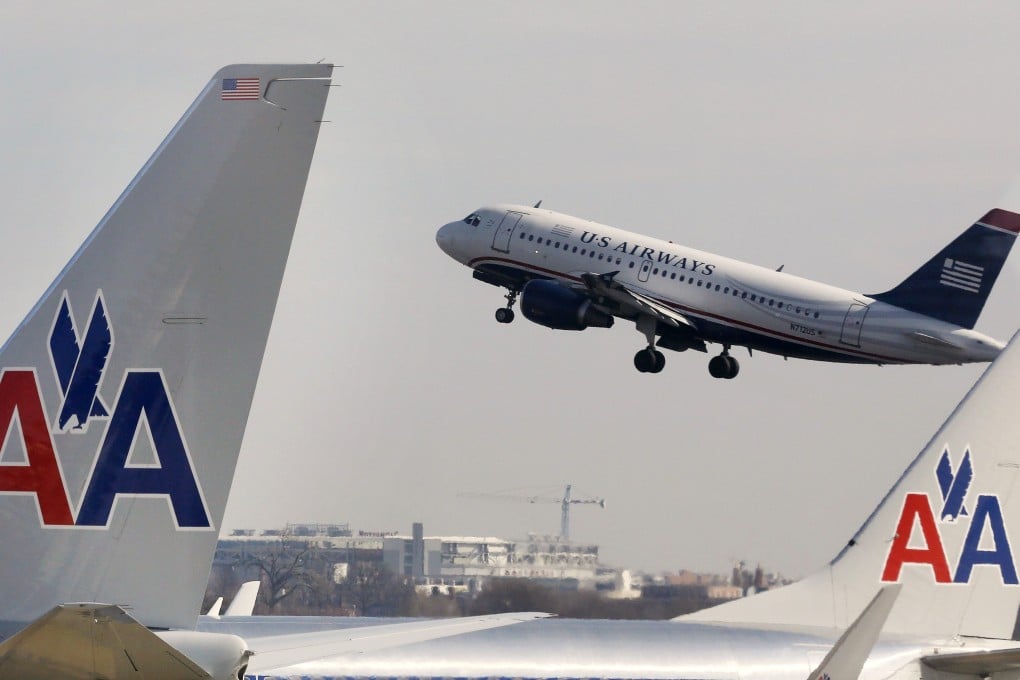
[[125, 392], [953, 285], [945, 531]]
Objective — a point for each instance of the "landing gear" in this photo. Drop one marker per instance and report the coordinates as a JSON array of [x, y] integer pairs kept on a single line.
[[506, 314], [649, 361], [724, 366]]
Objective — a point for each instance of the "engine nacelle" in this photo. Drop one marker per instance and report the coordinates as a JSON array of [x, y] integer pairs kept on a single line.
[[223, 656], [556, 306]]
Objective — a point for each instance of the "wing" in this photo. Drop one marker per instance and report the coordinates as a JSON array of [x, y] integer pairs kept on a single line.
[[277, 654], [638, 304], [93, 641]]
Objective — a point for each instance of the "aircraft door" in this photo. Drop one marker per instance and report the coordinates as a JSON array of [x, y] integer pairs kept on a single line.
[[853, 324], [501, 240], [646, 268]]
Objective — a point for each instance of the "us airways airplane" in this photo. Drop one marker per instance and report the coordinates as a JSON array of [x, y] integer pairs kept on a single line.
[[572, 274]]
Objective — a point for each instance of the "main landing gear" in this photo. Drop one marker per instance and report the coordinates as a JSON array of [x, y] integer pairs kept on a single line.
[[506, 314], [724, 366], [649, 360]]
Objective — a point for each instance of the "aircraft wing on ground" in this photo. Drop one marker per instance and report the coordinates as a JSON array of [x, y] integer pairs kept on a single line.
[[283, 654], [103, 641], [606, 286], [982, 664]]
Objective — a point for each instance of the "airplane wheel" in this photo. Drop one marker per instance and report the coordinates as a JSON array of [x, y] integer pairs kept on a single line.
[[644, 361], [659, 363], [732, 368], [718, 367], [504, 315]]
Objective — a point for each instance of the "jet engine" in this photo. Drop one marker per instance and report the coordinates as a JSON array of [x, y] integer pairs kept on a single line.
[[556, 306]]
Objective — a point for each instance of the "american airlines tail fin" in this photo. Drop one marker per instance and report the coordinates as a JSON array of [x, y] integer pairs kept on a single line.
[[946, 531], [125, 392], [953, 285]]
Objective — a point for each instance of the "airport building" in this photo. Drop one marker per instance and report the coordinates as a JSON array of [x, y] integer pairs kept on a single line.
[[461, 562]]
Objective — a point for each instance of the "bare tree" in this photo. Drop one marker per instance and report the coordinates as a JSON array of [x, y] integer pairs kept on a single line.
[[281, 570]]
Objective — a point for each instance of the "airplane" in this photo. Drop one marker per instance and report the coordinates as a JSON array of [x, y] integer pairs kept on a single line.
[[574, 274], [125, 392]]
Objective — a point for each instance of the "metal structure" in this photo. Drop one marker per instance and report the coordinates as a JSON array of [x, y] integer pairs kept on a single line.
[[565, 502]]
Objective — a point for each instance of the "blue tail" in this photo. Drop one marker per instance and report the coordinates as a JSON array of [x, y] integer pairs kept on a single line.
[[953, 285]]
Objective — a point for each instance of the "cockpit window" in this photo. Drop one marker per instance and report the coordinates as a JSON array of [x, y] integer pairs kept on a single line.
[[473, 219]]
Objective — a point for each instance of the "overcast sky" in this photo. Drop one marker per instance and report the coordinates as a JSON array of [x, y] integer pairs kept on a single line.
[[846, 142]]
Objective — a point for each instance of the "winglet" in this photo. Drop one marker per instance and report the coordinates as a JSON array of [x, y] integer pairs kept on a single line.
[[243, 603], [847, 657]]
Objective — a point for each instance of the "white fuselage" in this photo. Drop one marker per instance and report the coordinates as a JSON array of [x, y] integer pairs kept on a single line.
[[730, 302], [593, 649]]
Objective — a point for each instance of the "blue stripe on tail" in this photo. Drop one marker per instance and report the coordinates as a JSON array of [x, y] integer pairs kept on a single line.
[[953, 285]]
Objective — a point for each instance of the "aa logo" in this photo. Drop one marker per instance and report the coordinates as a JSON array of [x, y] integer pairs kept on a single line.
[[919, 540], [79, 355]]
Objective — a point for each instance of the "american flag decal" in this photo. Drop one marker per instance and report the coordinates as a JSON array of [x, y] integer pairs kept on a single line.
[[961, 275], [240, 90], [560, 230]]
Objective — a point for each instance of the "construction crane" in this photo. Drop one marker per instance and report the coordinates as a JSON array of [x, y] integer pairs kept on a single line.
[[565, 502]]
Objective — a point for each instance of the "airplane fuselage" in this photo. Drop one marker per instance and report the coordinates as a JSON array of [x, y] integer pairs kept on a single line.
[[573, 648], [729, 302]]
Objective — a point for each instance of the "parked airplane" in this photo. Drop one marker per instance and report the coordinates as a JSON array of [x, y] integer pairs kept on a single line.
[[928, 588], [572, 274], [125, 392]]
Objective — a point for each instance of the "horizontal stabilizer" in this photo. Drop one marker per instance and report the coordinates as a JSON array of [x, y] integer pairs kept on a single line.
[[88, 641]]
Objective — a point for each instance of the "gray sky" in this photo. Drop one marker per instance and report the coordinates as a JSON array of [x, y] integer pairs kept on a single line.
[[849, 143]]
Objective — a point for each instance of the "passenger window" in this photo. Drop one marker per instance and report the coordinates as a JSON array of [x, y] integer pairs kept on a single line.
[[632, 265], [583, 251], [591, 254], [717, 287], [673, 276], [726, 290], [574, 250], [600, 256], [743, 296], [523, 235], [816, 315], [699, 283], [531, 237], [618, 260], [772, 302], [557, 244], [655, 272], [681, 278]]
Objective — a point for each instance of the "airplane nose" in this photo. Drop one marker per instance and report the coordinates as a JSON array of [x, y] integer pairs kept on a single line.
[[445, 238]]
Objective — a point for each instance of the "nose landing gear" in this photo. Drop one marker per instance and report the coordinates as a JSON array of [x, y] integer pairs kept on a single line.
[[506, 314], [724, 366]]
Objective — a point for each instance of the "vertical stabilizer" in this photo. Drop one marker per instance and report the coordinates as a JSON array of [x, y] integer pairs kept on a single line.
[[125, 392], [954, 285], [948, 531]]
